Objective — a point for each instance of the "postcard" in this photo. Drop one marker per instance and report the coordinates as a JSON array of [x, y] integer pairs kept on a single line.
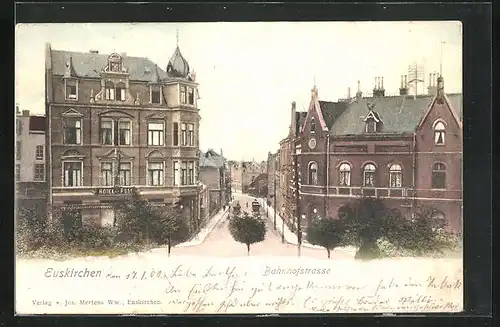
[[232, 168]]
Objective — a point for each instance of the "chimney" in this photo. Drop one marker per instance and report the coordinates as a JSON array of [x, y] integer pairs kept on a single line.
[[359, 94], [348, 93], [440, 89], [94, 51], [18, 112], [403, 89], [432, 88], [26, 113], [378, 90]]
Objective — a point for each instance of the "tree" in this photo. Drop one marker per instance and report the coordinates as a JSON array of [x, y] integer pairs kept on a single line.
[[169, 226], [247, 229], [327, 233], [366, 220], [135, 216]]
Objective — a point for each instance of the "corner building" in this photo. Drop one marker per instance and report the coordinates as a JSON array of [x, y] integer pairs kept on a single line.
[[117, 123]]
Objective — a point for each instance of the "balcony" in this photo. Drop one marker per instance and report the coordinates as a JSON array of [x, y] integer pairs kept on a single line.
[[355, 191]]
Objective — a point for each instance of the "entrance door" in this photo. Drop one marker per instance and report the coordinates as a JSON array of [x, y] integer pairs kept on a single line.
[[107, 217]]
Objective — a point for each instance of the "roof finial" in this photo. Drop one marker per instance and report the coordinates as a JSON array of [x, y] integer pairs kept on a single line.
[[177, 36]]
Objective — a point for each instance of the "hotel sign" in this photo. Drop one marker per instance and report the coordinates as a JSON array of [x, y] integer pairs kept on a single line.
[[113, 190]]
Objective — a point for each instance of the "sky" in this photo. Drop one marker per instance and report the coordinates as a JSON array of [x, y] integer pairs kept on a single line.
[[249, 73]]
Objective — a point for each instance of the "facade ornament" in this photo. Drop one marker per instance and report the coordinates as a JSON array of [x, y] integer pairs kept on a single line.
[[92, 100], [137, 101]]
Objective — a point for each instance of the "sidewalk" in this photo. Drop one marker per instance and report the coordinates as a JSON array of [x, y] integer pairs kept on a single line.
[[202, 235], [291, 237]]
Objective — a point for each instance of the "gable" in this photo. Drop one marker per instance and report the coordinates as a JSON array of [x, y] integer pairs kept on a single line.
[[315, 111], [439, 104]]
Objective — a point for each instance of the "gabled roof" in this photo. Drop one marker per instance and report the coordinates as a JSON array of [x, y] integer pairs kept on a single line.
[[90, 65], [211, 159], [400, 114], [331, 111]]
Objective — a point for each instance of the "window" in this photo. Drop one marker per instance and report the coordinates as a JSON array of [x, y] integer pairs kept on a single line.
[[120, 92], [107, 132], [110, 91], [18, 150], [369, 175], [39, 172], [124, 173], [71, 90], [439, 131], [73, 131], [313, 125], [395, 176], [371, 126], [155, 133], [155, 173], [18, 173], [191, 173], [176, 133], [313, 173], [72, 174], [106, 174], [155, 94], [183, 94], [184, 180], [183, 134], [39, 152], [190, 95], [345, 175], [191, 134], [124, 132], [176, 173], [439, 176]]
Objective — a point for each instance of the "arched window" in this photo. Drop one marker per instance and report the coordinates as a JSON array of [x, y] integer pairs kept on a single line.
[[395, 176], [369, 175], [120, 91], [439, 176], [313, 125], [110, 91], [439, 131], [313, 173], [345, 174]]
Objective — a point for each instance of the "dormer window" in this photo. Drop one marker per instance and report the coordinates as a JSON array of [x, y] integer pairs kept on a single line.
[[155, 94], [110, 91], [371, 126], [71, 89], [313, 125], [439, 131], [120, 92]]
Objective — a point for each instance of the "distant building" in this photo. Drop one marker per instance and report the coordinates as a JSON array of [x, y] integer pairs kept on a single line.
[[30, 172], [118, 123], [214, 174]]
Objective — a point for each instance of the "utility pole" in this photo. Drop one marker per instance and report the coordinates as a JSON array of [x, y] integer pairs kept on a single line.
[[274, 195]]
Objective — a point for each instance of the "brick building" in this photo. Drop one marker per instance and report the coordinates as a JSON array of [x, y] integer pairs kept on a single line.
[[404, 149], [272, 177], [117, 123], [31, 185], [213, 173]]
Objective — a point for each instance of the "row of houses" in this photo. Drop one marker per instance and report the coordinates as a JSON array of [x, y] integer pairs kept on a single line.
[[115, 123], [405, 149]]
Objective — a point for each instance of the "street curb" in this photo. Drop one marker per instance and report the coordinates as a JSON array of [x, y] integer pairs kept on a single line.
[[214, 222]]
